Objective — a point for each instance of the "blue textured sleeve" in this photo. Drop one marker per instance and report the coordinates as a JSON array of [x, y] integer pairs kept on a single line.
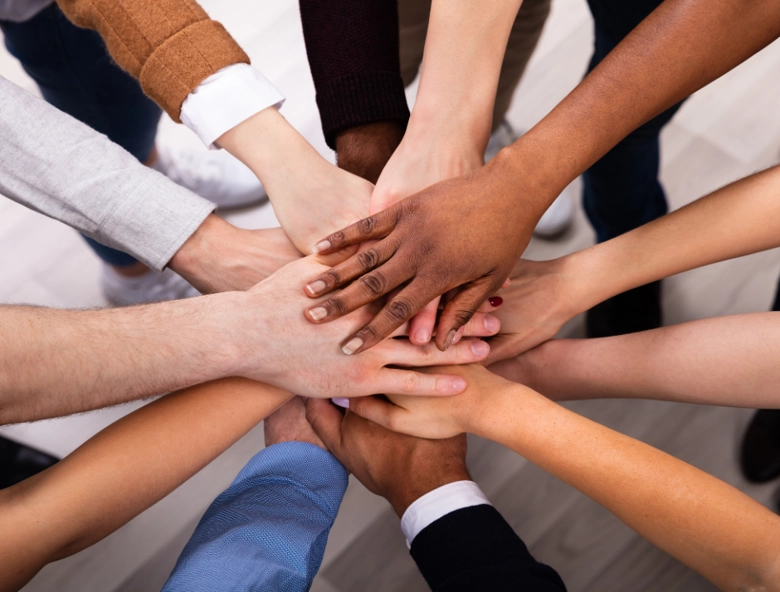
[[268, 530]]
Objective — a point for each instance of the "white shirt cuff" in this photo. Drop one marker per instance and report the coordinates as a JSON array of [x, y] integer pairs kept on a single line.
[[225, 99], [437, 504]]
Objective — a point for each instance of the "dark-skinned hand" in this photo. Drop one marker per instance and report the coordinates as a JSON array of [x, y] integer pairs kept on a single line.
[[464, 233], [400, 468]]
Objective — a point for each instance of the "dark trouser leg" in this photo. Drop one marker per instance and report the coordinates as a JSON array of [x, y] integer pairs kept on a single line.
[[76, 75], [622, 191]]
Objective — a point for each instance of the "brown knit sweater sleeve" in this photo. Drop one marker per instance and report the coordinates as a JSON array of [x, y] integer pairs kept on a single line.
[[171, 46]]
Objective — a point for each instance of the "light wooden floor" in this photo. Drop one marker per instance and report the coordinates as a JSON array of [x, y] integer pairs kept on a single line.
[[726, 131]]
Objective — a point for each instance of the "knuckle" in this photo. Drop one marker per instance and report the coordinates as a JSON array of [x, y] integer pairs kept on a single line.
[[367, 225], [399, 309], [336, 305], [374, 283], [368, 334], [368, 259], [411, 381], [337, 238], [463, 316]]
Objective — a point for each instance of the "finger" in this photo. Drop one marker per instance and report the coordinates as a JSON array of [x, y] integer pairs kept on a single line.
[[356, 266], [395, 313], [408, 382], [460, 309], [372, 228], [325, 420], [422, 324], [377, 410], [399, 352], [481, 325], [364, 291]]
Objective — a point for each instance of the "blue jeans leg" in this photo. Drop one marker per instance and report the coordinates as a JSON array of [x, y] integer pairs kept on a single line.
[[75, 74], [622, 191]]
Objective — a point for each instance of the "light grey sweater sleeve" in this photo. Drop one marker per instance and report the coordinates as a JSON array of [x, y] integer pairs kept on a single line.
[[58, 166]]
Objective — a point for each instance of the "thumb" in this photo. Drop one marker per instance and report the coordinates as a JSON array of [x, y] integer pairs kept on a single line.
[[325, 420]]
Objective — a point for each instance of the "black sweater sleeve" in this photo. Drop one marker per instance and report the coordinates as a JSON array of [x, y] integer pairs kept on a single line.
[[474, 549], [352, 46]]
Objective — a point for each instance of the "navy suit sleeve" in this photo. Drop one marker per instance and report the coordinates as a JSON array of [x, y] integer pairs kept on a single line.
[[474, 549]]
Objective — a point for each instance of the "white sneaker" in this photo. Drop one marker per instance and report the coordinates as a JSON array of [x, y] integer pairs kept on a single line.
[[149, 287], [214, 174], [559, 216]]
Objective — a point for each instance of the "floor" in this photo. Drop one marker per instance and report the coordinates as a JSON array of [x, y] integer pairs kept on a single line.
[[726, 131]]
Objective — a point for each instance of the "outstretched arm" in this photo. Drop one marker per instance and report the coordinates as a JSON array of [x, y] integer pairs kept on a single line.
[[123, 470], [739, 219], [710, 526], [728, 361], [476, 227]]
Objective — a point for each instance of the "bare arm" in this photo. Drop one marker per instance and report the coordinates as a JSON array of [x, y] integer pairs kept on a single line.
[[737, 220], [123, 470], [710, 526], [728, 361]]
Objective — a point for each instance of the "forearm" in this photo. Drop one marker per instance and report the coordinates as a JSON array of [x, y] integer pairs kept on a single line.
[[705, 523], [740, 219], [123, 470], [682, 46], [721, 361], [98, 358], [464, 50]]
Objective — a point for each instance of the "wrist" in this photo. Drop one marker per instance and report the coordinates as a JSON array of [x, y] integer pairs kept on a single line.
[[451, 132], [364, 150], [412, 487], [197, 258]]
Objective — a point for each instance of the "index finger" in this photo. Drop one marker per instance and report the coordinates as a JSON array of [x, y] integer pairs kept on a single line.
[[374, 227]]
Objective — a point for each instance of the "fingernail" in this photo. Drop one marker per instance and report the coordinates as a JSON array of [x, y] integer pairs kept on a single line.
[[352, 346], [450, 337], [458, 336], [456, 385], [321, 246], [340, 402], [315, 288], [479, 348], [492, 324], [318, 313], [494, 301], [422, 336]]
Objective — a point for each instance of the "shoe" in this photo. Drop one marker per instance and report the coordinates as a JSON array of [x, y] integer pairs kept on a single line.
[[18, 462], [559, 216], [760, 454], [214, 175], [149, 287], [636, 310]]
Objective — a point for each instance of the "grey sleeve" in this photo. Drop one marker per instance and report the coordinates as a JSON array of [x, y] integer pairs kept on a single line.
[[58, 166]]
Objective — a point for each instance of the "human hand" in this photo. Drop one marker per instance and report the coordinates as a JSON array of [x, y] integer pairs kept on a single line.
[[288, 424], [462, 233], [276, 345], [309, 194], [400, 468], [540, 298], [219, 257], [425, 156], [436, 417]]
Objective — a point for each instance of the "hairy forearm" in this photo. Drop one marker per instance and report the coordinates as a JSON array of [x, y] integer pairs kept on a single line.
[[58, 362], [705, 523], [682, 46], [123, 470], [728, 361]]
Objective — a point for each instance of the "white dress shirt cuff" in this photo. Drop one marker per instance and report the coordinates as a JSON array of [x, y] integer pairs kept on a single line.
[[437, 504], [225, 99]]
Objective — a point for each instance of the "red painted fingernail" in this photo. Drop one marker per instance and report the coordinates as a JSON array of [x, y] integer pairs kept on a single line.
[[495, 301]]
